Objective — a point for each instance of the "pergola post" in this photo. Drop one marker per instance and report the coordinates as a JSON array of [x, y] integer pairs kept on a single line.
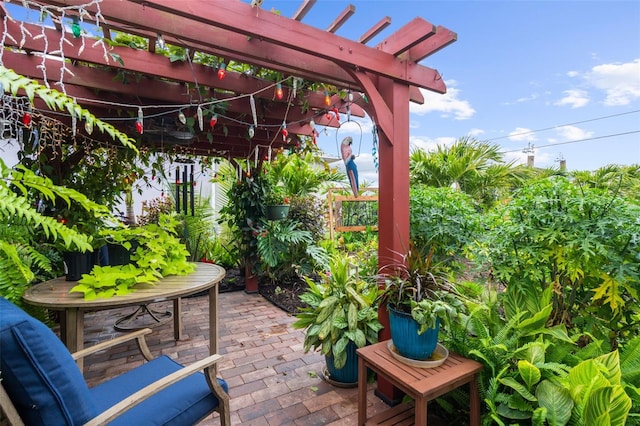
[[389, 107]]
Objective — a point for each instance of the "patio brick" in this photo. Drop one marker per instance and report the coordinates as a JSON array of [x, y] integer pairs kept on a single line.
[[272, 381]]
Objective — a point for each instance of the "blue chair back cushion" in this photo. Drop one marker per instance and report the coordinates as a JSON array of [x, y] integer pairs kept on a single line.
[[38, 372]]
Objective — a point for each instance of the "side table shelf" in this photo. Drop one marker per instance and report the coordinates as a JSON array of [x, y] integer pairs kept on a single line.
[[421, 384]]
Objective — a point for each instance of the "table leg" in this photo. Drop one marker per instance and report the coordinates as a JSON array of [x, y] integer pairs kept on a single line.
[[213, 322], [72, 331], [474, 403], [177, 318], [362, 392], [421, 411]]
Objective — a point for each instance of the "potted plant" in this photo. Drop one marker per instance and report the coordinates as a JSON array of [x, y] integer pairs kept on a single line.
[[418, 297], [276, 202], [342, 316]]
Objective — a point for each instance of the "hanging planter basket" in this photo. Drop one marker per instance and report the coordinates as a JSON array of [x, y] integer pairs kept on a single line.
[[277, 212]]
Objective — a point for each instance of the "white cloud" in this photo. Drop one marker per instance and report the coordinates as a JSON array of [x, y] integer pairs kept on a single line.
[[428, 144], [531, 97], [572, 74], [575, 98], [520, 134], [571, 133], [475, 132], [448, 104], [620, 82]]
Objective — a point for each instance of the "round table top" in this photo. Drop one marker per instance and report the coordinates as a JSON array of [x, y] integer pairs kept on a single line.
[[54, 294]]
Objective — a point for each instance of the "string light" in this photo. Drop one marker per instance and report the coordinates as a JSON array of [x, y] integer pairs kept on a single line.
[[75, 27], [251, 132], [327, 98], [222, 71], [88, 126], [182, 117], [213, 121], [285, 132], [279, 91], [161, 42], [200, 118]]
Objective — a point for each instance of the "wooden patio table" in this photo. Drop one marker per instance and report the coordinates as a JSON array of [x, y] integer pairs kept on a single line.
[[54, 294], [422, 384]]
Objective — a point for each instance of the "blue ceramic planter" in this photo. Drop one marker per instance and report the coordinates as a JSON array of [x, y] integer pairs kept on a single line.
[[405, 337], [348, 373]]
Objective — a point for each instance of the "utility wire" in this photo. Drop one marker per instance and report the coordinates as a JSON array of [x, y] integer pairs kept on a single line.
[[576, 141], [563, 125]]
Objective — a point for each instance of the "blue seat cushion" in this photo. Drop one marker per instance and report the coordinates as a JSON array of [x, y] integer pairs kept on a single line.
[[38, 372], [183, 403]]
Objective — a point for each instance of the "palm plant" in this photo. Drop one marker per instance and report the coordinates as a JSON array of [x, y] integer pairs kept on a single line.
[[474, 167]]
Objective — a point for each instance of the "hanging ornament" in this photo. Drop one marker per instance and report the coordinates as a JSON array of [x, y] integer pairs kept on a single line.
[[74, 123], [222, 71], [285, 132], [251, 132], [252, 102], [336, 112], [88, 127], [200, 118], [279, 91], [139, 126], [75, 27], [213, 121], [182, 117], [26, 119], [327, 98]]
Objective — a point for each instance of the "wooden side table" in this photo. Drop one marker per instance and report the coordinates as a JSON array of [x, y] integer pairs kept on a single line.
[[422, 384]]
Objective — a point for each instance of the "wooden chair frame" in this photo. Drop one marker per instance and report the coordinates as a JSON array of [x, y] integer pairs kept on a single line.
[[207, 365]]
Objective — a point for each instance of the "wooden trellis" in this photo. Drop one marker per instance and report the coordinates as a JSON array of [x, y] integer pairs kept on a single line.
[[357, 219]]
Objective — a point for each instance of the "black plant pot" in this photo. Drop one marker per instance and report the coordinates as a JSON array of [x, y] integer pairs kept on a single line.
[[77, 263]]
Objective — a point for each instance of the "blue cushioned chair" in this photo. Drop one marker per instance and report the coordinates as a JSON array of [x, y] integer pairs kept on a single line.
[[41, 383]]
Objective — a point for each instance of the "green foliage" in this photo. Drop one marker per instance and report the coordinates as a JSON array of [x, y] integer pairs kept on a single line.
[[474, 167], [582, 243], [158, 253], [342, 308], [21, 223], [56, 100], [443, 219]]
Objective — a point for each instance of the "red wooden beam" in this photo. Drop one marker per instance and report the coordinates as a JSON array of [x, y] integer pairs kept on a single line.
[[416, 31], [238, 17], [375, 30], [304, 8], [440, 40], [341, 19]]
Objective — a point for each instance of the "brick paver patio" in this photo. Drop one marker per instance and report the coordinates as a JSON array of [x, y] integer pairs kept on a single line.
[[271, 380]]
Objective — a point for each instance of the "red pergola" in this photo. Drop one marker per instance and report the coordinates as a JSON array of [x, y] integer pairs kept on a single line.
[[389, 74]]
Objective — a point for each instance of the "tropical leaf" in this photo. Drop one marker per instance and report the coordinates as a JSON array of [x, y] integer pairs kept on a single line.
[[607, 405], [557, 402]]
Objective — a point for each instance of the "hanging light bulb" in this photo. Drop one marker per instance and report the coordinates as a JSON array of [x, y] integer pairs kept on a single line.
[[251, 132], [88, 127], [139, 126], [200, 118], [75, 27], [182, 117], [335, 111], [327, 98], [279, 92], [160, 41], [222, 71], [213, 121], [312, 124], [350, 96], [285, 132]]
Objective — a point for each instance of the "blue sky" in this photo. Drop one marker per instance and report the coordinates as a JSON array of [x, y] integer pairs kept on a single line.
[[518, 67]]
